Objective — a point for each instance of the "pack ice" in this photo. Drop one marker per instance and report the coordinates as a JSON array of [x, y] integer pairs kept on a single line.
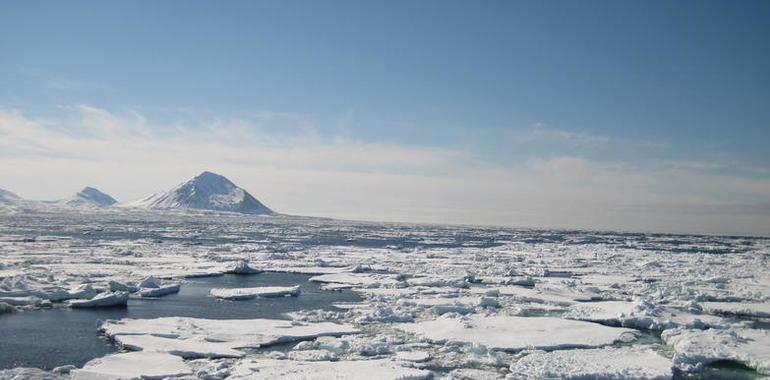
[[453, 302]]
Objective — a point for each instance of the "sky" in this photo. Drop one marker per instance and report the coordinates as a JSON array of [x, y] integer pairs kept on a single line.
[[612, 115]]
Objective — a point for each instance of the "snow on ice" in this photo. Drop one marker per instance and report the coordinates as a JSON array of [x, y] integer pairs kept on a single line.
[[443, 301]]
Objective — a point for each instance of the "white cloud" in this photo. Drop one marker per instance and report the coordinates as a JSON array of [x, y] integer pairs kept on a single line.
[[305, 172]]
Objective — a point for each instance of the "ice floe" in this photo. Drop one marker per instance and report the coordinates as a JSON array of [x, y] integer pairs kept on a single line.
[[26, 374], [364, 279], [248, 293], [269, 369], [193, 337], [741, 309], [242, 267], [133, 365], [599, 364], [697, 348], [107, 299], [641, 315], [509, 333]]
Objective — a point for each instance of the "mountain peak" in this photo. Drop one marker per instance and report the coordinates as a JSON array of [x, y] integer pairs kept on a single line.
[[206, 191], [209, 174], [91, 196], [8, 197], [210, 179]]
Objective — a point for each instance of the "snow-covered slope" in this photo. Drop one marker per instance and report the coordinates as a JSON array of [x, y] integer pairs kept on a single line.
[[207, 191], [7, 197], [90, 196]]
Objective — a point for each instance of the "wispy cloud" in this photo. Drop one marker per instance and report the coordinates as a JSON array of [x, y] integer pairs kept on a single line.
[[301, 170], [59, 83], [542, 133]]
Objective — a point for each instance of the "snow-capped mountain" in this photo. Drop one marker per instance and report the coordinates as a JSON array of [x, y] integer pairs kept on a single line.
[[90, 196], [207, 191], [7, 197]]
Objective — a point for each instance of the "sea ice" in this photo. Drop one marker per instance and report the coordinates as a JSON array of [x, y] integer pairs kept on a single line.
[[192, 337], [116, 286], [152, 287], [159, 292], [598, 364], [641, 315], [695, 348], [21, 301], [361, 279], [413, 356], [20, 373], [508, 333], [741, 309], [133, 365], [188, 348], [242, 267], [248, 293], [403, 273], [107, 299], [269, 369]]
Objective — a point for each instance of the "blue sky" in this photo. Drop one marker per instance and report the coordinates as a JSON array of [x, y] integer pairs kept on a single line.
[[642, 88]]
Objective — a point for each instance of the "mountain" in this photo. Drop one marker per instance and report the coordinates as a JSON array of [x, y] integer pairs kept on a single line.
[[207, 191], [90, 196], [7, 197]]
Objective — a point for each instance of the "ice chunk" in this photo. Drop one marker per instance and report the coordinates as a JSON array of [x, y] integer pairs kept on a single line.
[[26, 374], [84, 291], [556, 297], [6, 308], [247, 293], [159, 291], [231, 333], [21, 301], [641, 315], [743, 309], [509, 333], [107, 299], [472, 374], [242, 267], [385, 314], [116, 286], [413, 356], [150, 282], [363, 279], [696, 348], [313, 355], [133, 365], [602, 363], [444, 309], [189, 348], [382, 369]]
